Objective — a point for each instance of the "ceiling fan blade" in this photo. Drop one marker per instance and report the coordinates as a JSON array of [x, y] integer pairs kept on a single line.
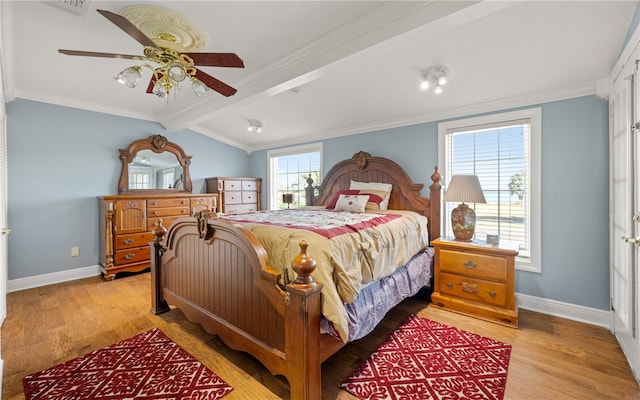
[[152, 83], [215, 84], [129, 28], [97, 54], [216, 59]]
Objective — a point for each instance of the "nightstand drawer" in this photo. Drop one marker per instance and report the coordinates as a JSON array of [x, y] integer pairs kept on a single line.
[[474, 265], [474, 289]]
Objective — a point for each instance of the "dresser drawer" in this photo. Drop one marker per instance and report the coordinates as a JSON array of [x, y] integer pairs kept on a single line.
[[168, 211], [233, 198], [129, 256], [230, 185], [239, 208], [249, 185], [202, 201], [163, 203], [474, 289], [249, 197], [166, 221], [474, 265], [133, 240]]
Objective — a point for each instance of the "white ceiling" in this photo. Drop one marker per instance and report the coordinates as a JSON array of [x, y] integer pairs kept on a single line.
[[323, 69]]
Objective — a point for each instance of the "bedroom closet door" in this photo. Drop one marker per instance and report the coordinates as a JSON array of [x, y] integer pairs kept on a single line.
[[624, 154]]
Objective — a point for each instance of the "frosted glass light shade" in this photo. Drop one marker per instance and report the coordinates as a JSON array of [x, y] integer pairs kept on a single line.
[[176, 72], [160, 90], [198, 87], [130, 76]]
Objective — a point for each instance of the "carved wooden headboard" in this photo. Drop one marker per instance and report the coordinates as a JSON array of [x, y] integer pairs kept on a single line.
[[405, 195]]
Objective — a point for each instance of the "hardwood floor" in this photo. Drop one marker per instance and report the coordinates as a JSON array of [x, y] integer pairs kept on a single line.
[[552, 358]]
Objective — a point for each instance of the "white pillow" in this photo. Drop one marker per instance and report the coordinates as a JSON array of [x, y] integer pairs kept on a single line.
[[386, 187], [352, 203]]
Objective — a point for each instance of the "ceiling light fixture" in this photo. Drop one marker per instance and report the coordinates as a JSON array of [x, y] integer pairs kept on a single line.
[[174, 68], [434, 77], [255, 126]]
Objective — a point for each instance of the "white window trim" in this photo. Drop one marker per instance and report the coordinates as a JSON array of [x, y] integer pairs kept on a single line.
[[285, 151], [534, 264]]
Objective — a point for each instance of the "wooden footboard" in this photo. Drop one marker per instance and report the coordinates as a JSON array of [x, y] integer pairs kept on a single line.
[[219, 276]]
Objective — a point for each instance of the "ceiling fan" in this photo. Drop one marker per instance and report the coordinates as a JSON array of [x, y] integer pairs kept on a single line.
[[175, 66]]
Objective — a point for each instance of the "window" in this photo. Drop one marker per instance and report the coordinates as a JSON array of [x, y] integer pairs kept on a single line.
[[168, 178], [139, 181], [503, 150], [289, 169]]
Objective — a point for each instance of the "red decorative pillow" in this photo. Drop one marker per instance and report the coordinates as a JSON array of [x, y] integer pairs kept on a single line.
[[334, 200]]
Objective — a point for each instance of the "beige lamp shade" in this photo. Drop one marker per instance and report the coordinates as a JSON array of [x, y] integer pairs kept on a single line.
[[464, 188]]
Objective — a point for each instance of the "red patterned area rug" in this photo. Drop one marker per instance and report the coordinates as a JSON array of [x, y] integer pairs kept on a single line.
[[424, 359], [146, 366]]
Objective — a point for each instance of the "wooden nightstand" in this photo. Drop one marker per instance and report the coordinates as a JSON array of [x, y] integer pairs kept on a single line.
[[477, 279]]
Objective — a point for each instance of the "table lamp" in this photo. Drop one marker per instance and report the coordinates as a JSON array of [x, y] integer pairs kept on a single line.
[[464, 188]]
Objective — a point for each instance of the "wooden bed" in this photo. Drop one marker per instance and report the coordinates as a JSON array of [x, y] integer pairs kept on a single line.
[[219, 275]]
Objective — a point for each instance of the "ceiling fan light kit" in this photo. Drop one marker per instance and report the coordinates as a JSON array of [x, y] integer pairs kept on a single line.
[[166, 36], [434, 77]]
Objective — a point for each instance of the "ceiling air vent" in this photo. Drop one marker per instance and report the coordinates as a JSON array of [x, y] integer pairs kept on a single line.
[[78, 7]]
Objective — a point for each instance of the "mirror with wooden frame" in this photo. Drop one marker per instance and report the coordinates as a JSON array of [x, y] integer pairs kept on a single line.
[[154, 165]]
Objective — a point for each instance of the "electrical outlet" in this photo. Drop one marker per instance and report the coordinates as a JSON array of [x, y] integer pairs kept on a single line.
[[75, 251]]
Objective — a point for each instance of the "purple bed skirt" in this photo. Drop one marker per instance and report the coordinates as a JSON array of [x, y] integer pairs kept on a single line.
[[377, 298]]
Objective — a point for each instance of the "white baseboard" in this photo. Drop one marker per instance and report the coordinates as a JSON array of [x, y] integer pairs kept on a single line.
[[545, 306], [570, 311], [55, 277]]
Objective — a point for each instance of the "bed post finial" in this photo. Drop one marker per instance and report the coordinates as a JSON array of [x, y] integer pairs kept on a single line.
[[436, 177], [304, 265], [158, 231], [158, 304], [309, 191]]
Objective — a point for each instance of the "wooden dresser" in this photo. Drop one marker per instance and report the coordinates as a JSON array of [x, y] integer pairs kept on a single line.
[[126, 222], [237, 195], [476, 279]]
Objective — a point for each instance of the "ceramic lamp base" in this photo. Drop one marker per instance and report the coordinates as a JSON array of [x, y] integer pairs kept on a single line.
[[463, 223]]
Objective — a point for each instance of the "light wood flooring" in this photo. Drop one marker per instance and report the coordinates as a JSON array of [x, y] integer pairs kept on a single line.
[[552, 358]]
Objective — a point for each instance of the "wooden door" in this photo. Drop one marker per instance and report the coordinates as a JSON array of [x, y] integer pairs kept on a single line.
[[4, 231], [625, 212]]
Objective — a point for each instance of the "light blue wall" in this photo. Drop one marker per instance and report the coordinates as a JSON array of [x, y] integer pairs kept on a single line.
[[60, 159], [575, 225]]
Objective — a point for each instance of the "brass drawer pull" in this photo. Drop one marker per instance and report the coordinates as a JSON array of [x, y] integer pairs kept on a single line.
[[470, 264], [492, 294], [469, 287], [128, 241], [129, 256], [449, 284]]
